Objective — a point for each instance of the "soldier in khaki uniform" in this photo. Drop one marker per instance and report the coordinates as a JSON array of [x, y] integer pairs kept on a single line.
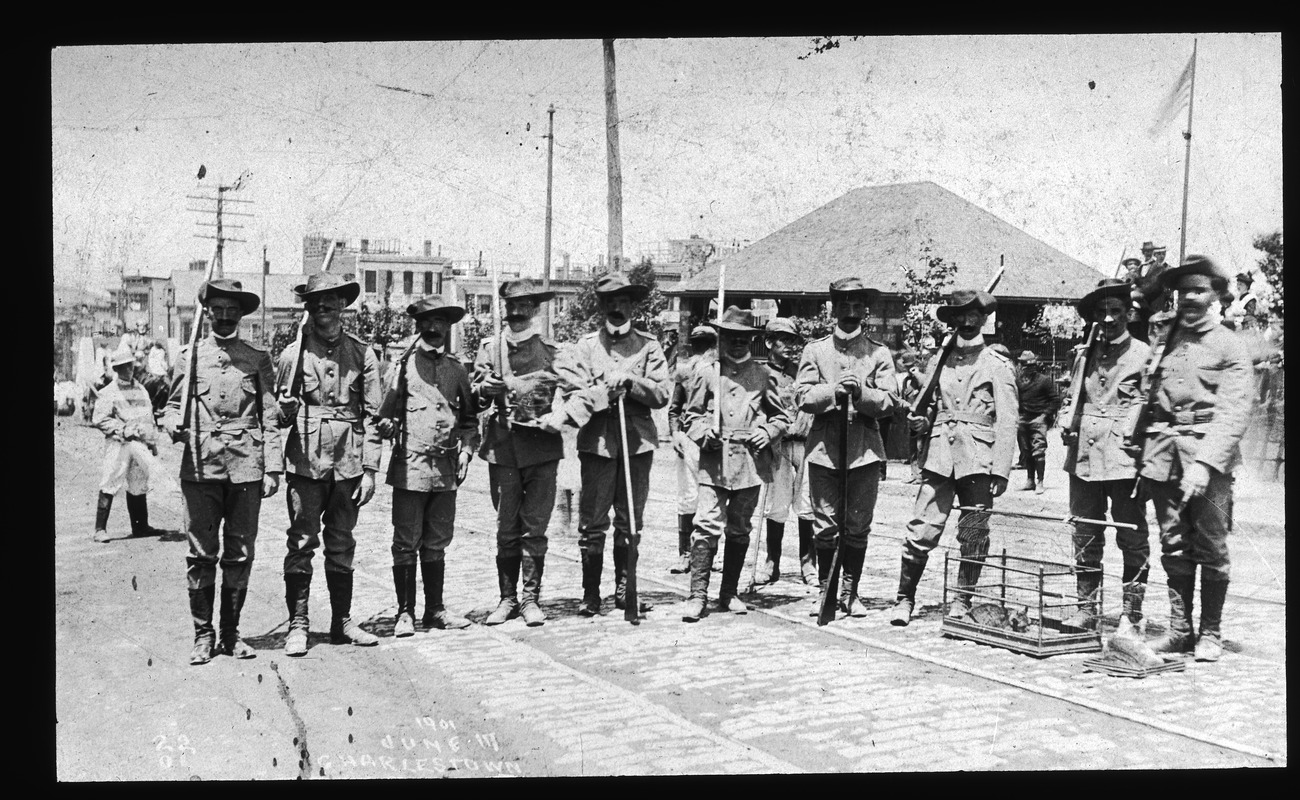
[[733, 412], [702, 342], [617, 361], [847, 367], [124, 414], [328, 403], [969, 445], [231, 461], [522, 446], [1190, 444], [1101, 473], [784, 347], [433, 413]]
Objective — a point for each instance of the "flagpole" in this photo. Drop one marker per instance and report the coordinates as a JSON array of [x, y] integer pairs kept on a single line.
[[1187, 159]]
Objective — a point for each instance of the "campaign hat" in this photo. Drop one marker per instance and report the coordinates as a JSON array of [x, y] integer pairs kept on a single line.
[[1196, 265], [524, 289], [328, 283], [783, 326], [1131, 260], [1106, 287], [850, 287], [232, 289], [436, 304], [121, 355], [1027, 357], [614, 283], [963, 300], [702, 332], [734, 320], [1148, 245]]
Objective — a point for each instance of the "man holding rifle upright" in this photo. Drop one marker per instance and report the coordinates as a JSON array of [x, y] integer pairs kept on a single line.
[[969, 441], [1198, 402], [847, 368], [1101, 473]]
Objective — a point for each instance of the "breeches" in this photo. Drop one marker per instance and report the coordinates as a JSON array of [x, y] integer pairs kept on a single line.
[[423, 523], [1198, 532], [688, 467], [206, 506], [603, 487], [126, 464], [725, 512], [1088, 499], [783, 494], [314, 505], [1032, 436], [523, 498], [826, 492], [934, 501]]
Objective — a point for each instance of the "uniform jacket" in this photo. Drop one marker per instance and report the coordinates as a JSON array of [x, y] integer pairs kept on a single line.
[[1203, 403], [1111, 386], [974, 429], [582, 367], [681, 373], [750, 401], [124, 413], [1038, 395], [437, 417], [341, 394], [824, 361], [800, 421], [518, 445], [234, 394]]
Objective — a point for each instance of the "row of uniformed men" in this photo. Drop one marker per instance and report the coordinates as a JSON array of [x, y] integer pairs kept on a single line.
[[743, 418]]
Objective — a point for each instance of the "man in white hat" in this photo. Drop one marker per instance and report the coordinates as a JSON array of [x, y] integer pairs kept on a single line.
[[124, 414], [329, 394]]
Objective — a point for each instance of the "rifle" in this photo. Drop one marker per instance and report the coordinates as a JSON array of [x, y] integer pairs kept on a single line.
[[1120, 268], [717, 389], [631, 603], [928, 396], [503, 354], [1081, 361], [191, 380], [402, 390], [830, 594], [1137, 422], [295, 381]]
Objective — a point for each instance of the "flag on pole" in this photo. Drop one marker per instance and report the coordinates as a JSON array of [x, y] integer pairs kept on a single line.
[[1175, 101]]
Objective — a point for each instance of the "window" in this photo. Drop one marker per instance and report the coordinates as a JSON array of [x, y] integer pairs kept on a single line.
[[370, 281], [408, 282], [428, 283]]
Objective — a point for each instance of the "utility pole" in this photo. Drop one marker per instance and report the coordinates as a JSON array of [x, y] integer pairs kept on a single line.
[[615, 172], [266, 267], [546, 258], [221, 213]]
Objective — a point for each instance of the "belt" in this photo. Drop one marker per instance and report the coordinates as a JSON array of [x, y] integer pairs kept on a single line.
[[736, 434], [336, 413], [435, 450], [1182, 417], [1106, 410], [973, 417], [235, 424]]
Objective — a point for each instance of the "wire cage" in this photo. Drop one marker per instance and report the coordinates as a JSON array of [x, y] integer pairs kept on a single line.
[[1029, 602]]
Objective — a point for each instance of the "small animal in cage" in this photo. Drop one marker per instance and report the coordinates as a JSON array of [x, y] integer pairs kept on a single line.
[[992, 615]]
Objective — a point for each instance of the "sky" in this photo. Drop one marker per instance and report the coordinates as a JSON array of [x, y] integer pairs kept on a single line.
[[727, 138]]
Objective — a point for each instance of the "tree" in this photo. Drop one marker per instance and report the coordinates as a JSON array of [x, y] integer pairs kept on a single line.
[[1270, 244], [583, 314], [925, 287], [1056, 321]]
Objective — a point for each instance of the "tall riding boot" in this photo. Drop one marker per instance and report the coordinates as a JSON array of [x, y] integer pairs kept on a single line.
[[701, 563], [1028, 462], [529, 607], [232, 604], [770, 572], [342, 629], [1085, 615], [825, 562], [909, 575], [968, 575], [137, 508], [1135, 588], [592, 565], [733, 561], [850, 576], [620, 579], [1179, 638], [404, 586], [435, 613], [685, 524], [807, 552], [297, 592], [1209, 645], [201, 611], [102, 506], [1040, 467], [508, 581]]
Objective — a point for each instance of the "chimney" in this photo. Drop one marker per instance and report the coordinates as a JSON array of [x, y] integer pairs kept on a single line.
[[365, 245], [428, 248]]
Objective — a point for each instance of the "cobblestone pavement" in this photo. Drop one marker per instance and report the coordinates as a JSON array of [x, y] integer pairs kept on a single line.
[[766, 692]]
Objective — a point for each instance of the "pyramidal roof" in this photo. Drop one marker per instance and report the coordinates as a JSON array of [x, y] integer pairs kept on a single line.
[[874, 231]]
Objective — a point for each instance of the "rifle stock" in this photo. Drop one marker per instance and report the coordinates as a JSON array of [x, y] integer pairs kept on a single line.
[[1137, 422], [191, 380], [1081, 362], [502, 354], [631, 603], [830, 594], [295, 382], [921, 406]]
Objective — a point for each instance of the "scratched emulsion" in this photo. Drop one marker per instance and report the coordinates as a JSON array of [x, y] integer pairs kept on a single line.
[[300, 741]]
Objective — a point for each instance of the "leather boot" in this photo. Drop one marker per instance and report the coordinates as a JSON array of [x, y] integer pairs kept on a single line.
[[620, 579], [1209, 645], [1135, 588], [770, 572], [1040, 468], [701, 563], [404, 586], [297, 592], [909, 575], [529, 607], [137, 508], [435, 613], [825, 562], [850, 577], [592, 565], [232, 604], [1084, 617], [508, 580], [204, 635], [968, 575], [807, 553], [1179, 638], [685, 524], [103, 505], [342, 629], [733, 561]]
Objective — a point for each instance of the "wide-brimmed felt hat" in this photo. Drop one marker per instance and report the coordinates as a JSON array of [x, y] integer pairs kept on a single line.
[[783, 326], [436, 304], [1148, 245], [852, 287], [615, 283], [122, 355], [1244, 277], [702, 332], [1131, 260], [1027, 357], [232, 289], [734, 320], [1106, 287], [1160, 248], [524, 289], [327, 282], [964, 299], [1196, 265]]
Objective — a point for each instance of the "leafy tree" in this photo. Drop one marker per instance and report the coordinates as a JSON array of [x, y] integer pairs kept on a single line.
[[583, 314], [1270, 244], [1056, 321], [925, 287]]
